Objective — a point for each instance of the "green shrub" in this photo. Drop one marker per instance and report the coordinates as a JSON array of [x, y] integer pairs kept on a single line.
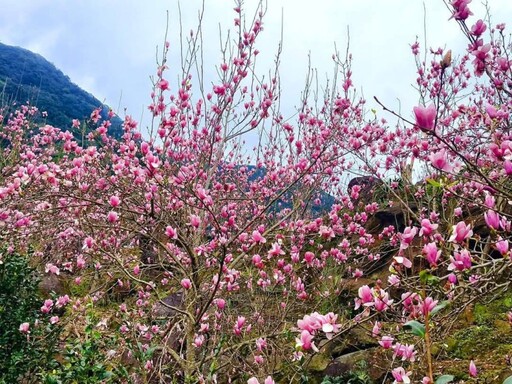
[[21, 354]]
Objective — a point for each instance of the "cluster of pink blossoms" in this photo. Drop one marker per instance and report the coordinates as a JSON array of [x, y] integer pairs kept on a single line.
[[311, 324]]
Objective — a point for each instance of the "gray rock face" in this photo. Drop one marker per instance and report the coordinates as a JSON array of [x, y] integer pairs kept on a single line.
[[173, 300]]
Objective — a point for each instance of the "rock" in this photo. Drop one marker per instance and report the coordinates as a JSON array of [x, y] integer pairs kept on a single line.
[[354, 340], [51, 283], [357, 361], [318, 362], [173, 300]]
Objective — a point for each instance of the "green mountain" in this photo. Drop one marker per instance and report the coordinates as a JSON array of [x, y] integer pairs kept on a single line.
[[28, 77]]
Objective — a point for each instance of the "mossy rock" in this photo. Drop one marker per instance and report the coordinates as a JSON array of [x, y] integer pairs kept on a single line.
[[318, 362], [486, 313], [476, 340]]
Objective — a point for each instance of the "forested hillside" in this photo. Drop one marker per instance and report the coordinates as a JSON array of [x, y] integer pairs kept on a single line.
[[29, 77]]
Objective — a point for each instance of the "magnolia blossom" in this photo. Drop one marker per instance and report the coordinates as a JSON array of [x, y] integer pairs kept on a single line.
[[401, 376], [258, 238], [254, 380], [427, 228], [472, 369], [478, 28], [114, 201], [171, 232], [408, 236], [432, 254], [492, 219], [186, 283], [425, 117], [460, 261], [305, 341], [25, 328], [460, 9], [502, 246], [428, 305], [386, 342], [460, 232], [440, 161]]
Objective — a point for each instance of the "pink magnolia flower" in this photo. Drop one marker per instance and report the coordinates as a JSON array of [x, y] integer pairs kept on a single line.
[[25, 328], [171, 232], [478, 28], [376, 329], [472, 369], [365, 294], [80, 262], [427, 228], [460, 261], [51, 268], [261, 344], [310, 323], [62, 301], [507, 165], [386, 342], [440, 161], [394, 280], [112, 217], [492, 219], [428, 305], [460, 9], [502, 246], [309, 257], [403, 260], [195, 221], [257, 261], [405, 351], [400, 375], [220, 303], [54, 319], [382, 301], [186, 283], [432, 254], [425, 117], [114, 201], [407, 237], [258, 238], [460, 232], [276, 250], [489, 201], [306, 341], [198, 341]]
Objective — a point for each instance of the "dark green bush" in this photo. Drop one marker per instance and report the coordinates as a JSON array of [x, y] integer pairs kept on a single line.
[[21, 354]]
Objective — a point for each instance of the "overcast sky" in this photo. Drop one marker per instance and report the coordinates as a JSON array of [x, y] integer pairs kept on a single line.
[[108, 46]]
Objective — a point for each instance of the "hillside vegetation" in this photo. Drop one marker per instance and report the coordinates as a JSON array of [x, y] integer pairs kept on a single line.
[[26, 77]]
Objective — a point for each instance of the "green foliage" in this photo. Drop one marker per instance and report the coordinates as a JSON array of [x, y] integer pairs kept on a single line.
[[84, 360], [417, 328], [26, 76], [358, 376], [487, 312], [445, 379], [19, 303]]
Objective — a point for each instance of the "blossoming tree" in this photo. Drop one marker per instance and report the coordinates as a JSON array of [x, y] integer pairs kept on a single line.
[[201, 255]]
